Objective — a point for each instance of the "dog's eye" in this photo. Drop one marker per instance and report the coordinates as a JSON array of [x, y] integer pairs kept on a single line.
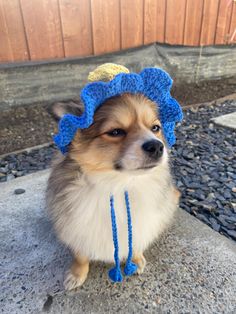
[[116, 132], [156, 128]]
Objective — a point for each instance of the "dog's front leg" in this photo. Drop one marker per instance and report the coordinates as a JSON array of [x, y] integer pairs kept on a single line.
[[78, 272]]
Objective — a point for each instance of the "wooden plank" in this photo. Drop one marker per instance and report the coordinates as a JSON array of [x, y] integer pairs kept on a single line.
[[150, 20], [209, 20], [223, 21], [76, 27], [154, 21], [43, 28], [13, 46], [232, 29], [161, 18], [175, 17], [131, 23], [106, 25], [193, 20]]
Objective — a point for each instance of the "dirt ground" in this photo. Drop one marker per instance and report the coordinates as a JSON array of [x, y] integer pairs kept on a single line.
[[22, 127]]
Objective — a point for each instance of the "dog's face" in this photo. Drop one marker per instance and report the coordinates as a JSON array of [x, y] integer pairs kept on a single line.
[[126, 136]]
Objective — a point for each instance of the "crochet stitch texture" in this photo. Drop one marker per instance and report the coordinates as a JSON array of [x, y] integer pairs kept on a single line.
[[154, 83]]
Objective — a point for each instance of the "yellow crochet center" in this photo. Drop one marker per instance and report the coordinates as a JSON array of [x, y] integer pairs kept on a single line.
[[106, 72]]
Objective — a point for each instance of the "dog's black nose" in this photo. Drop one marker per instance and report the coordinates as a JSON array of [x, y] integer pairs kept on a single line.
[[153, 148]]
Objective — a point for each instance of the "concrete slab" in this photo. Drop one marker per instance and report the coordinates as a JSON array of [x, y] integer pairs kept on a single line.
[[227, 120], [192, 269]]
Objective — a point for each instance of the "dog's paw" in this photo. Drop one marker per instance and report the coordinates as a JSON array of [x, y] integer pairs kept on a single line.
[[72, 282], [141, 265], [140, 261]]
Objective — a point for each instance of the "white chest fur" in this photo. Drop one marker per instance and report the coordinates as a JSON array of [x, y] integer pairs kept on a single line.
[[87, 228]]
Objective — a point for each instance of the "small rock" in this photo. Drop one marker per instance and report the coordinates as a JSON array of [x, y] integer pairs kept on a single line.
[[210, 197], [188, 156], [191, 171], [19, 191], [227, 194], [234, 189], [189, 142], [11, 165], [222, 179], [231, 174], [231, 219], [215, 226], [218, 203], [194, 185], [179, 184], [205, 178], [213, 184], [219, 197], [232, 233], [229, 168], [3, 170], [19, 173], [223, 219], [48, 303], [199, 195], [230, 185], [203, 218]]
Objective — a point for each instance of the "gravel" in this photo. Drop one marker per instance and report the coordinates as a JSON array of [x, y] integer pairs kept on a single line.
[[18, 165], [203, 164]]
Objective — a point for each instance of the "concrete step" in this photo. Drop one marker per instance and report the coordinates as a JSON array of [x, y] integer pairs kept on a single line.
[[192, 269], [227, 120]]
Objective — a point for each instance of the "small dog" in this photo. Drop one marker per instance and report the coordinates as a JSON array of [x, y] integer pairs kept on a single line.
[[124, 148]]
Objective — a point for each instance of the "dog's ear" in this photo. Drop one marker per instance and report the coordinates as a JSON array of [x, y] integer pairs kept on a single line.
[[59, 109]]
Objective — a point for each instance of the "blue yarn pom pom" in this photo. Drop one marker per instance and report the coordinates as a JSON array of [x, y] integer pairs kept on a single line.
[[130, 269], [115, 274]]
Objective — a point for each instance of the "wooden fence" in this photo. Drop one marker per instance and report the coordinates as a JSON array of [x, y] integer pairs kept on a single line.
[[50, 29]]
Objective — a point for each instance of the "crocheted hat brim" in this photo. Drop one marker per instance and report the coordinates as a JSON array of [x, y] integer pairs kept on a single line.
[[153, 83]]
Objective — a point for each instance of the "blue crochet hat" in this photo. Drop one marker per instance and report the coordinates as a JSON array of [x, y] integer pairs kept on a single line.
[[153, 83]]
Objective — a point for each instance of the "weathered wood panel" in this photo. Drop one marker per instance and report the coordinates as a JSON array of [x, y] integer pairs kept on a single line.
[[43, 29], [193, 22], [154, 21], [106, 25], [76, 27], [232, 29], [209, 20], [150, 19], [161, 19], [50, 29], [131, 23], [175, 18], [223, 22], [13, 45]]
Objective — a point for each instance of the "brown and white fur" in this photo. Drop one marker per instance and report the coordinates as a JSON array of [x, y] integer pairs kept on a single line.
[[100, 164]]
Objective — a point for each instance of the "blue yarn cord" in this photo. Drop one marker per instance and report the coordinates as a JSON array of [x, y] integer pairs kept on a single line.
[[115, 273], [130, 267]]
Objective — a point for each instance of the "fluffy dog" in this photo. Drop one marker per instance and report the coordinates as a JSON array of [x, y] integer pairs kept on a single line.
[[124, 148]]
